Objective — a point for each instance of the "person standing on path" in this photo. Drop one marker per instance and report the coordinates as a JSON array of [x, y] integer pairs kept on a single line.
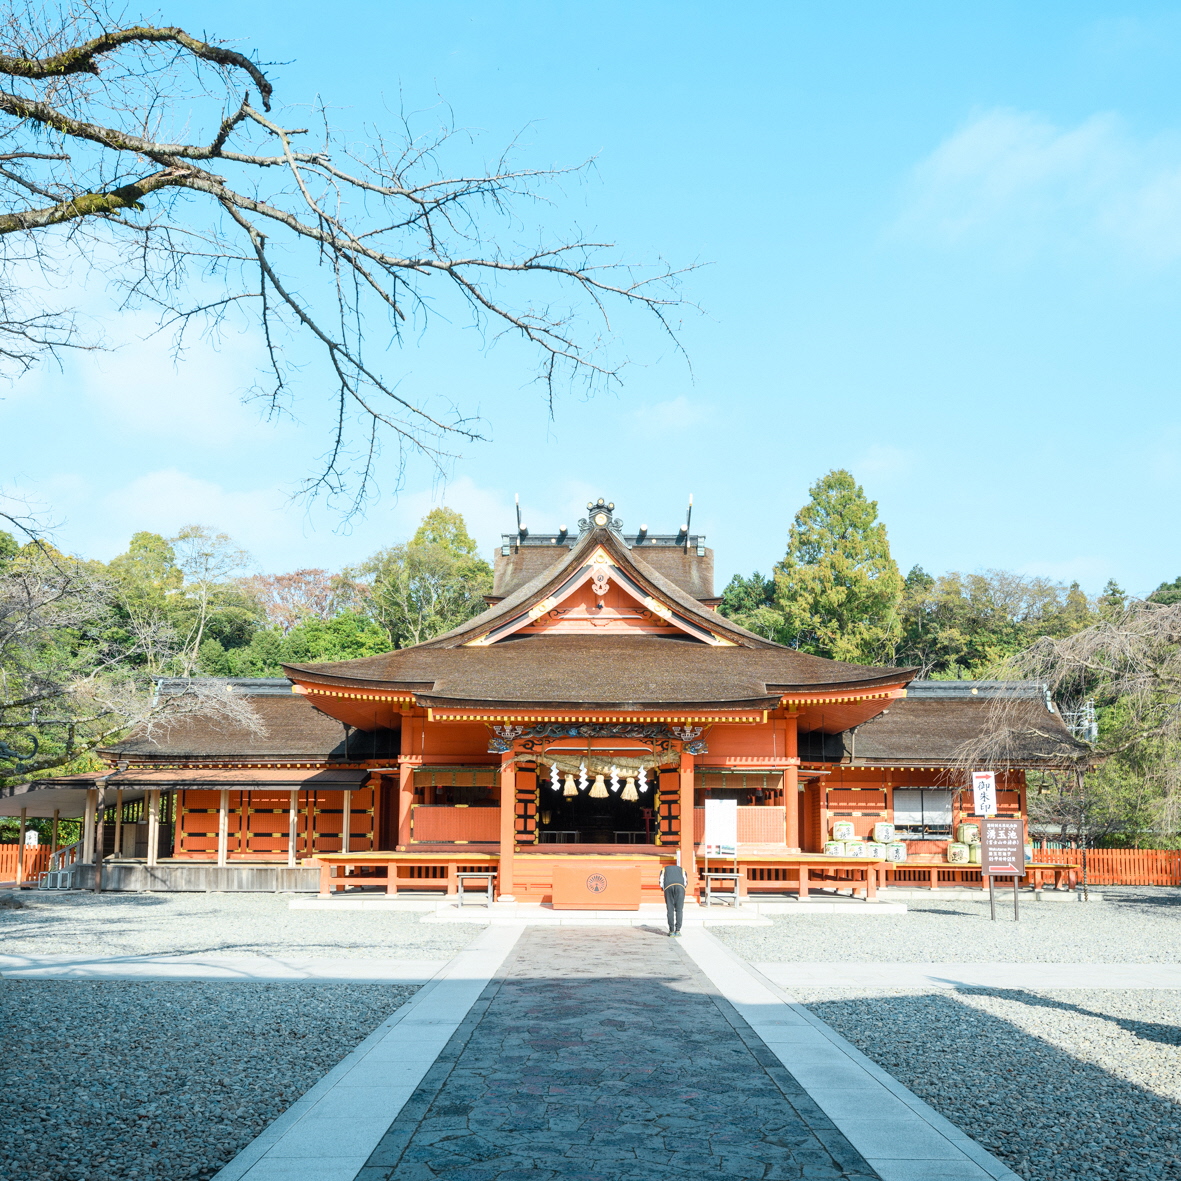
[[673, 882]]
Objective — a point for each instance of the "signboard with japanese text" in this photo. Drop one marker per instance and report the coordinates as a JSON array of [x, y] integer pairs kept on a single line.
[[721, 828], [1002, 848], [984, 793]]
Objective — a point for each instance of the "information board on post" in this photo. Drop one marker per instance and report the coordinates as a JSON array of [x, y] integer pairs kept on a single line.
[[1002, 848], [984, 793], [721, 828]]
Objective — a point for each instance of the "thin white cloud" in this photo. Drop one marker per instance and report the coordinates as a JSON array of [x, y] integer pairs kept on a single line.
[[673, 415], [487, 513], [1020, 184], [141, 386], [165, 501]]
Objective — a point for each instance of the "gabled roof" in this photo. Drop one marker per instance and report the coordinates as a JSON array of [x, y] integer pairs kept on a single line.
[[572, 568], [493, 660]]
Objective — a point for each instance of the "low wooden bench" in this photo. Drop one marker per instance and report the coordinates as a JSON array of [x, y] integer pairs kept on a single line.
[[334, 871], [957, 873], [802, 872]]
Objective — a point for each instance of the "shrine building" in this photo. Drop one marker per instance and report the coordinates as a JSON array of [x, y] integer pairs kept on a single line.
[[584, 719]]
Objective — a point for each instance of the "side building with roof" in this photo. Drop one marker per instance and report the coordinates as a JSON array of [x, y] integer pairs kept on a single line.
[[591, 712]]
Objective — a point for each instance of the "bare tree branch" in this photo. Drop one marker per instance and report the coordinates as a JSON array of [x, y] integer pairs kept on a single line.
[[89, 165]]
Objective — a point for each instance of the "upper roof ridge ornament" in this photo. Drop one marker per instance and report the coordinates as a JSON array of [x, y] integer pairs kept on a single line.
[[600, 516]]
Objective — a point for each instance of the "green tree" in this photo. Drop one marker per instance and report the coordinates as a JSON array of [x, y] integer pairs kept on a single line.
[[431, 584], [962, 625], [8, 547], [346, 636], [146, 582], [1112, 601], [838, 588], [749, 602], [72, 676], [1167, 593], [211, 605]]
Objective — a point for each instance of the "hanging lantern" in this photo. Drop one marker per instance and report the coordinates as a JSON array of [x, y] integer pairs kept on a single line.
[[642, 780], [614, 780], [599, 791], [629, 790], [570, 790], [582, 779], [554, 778]]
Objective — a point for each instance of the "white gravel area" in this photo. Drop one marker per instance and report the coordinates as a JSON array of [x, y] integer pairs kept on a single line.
[[130, 1081], [1060, 1085], [222, 924], [1136, 925]]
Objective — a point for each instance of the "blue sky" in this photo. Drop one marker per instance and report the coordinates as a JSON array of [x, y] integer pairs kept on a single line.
[[945, 253]]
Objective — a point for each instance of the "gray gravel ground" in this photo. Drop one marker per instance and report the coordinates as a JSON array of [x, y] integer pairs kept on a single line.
[[222, 924], [131, 1081], [1061, 1085], [1135, 925]]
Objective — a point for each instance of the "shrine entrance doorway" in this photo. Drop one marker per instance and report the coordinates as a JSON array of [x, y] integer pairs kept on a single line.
[[596, 796], [584, 819]]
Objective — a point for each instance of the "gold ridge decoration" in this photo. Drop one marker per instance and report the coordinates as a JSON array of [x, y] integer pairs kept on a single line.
[[657, 608], [539, 609]]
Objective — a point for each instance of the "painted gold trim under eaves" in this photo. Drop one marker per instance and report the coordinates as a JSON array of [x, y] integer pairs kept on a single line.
[[612, 718], [354, 696], [890, 694]]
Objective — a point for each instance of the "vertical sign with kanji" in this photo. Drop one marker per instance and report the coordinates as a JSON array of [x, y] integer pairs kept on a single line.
[[984, 793], [1002, 848]]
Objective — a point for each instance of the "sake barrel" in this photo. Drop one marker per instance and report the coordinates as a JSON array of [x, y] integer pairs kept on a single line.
[[974, 854], [842, 830], [854, 848], [896, 851], [957, 853], [968, 834], [875, 849], [883, 833], [834, 848]]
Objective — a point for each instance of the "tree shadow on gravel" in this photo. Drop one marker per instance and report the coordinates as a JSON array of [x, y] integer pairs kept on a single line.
[[1048, 1115], [1152, 1031], [1160, 898]]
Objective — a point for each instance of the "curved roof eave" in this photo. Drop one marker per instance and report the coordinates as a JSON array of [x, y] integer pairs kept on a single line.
[[736, 704]]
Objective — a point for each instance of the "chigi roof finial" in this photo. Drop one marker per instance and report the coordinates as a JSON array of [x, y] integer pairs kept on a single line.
[[600, 515]]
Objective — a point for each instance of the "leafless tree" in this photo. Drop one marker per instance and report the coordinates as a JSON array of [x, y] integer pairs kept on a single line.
[[159, 156], [1127, 669], [65, 688]]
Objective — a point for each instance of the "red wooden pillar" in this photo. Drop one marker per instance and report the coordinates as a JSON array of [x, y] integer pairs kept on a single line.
[[791, 784], [508, 824], [406, 766], [688, 852]]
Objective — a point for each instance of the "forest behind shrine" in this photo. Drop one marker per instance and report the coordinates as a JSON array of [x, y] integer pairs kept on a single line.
[[83, 643]]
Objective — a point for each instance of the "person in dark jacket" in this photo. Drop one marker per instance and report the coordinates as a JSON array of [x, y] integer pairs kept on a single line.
[[673, 882]]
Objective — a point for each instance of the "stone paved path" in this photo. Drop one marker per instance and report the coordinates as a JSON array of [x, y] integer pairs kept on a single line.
[[605, 1055]]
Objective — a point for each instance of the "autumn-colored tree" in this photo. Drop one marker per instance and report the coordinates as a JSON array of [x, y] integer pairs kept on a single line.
[[838, 588], [289, 599]]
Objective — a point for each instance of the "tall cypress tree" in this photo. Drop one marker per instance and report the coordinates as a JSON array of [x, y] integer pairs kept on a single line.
[[837, 587]]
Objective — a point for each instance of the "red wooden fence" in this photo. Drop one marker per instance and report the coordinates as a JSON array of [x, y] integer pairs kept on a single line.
[[1121, 867], [36, 859]]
